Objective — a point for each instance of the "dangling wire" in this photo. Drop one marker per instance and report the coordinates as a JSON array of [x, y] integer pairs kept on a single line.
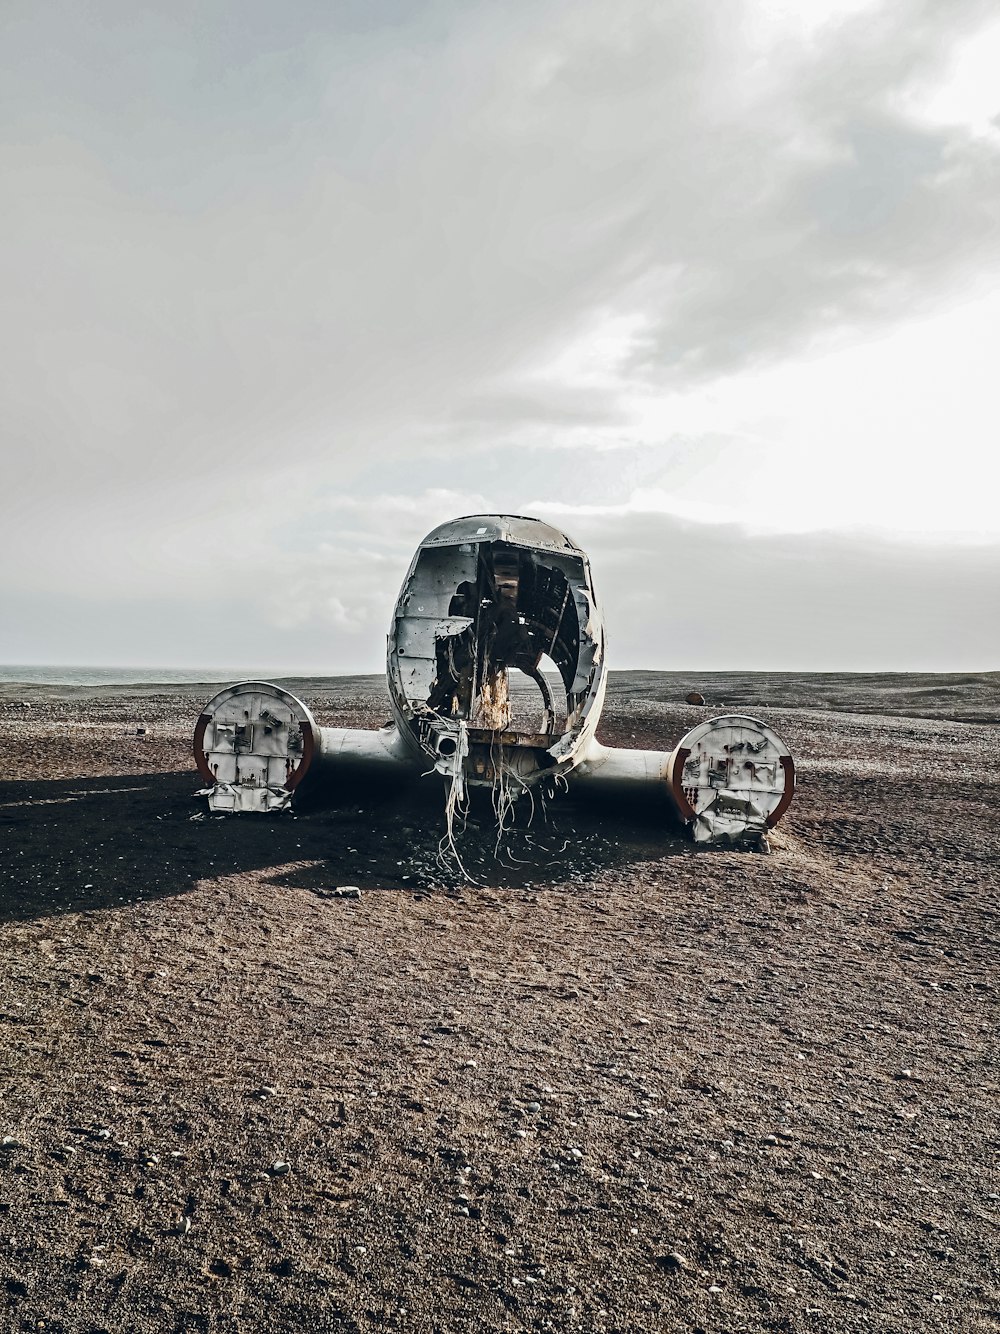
[[456, 806]]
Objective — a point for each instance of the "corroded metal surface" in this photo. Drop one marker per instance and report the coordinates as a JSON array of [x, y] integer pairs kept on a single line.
[[732, 778], [485, 596], [253, 744]]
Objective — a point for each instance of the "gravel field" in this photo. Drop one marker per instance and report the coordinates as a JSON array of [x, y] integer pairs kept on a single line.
[[614, 1085]]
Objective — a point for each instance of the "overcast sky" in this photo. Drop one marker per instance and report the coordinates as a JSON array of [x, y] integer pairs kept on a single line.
[[713, 286]]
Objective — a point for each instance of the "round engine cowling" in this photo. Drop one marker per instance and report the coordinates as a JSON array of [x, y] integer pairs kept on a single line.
[[253, 745], [732, 779]]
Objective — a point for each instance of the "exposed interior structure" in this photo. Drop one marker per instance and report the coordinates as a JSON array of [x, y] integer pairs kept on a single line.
[[486, 597]]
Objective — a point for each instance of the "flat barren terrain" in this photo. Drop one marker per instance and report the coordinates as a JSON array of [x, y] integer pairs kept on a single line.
[[614, 1085]]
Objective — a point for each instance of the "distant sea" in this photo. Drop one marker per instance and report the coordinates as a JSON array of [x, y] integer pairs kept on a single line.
[[117, 676]]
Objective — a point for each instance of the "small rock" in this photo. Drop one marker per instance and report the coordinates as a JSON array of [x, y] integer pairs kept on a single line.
[[470, 1065], [906, 1074], [349, 891], [694, 698], [280, 1168], [532, 1107], [672, 1261], [519, 1134]]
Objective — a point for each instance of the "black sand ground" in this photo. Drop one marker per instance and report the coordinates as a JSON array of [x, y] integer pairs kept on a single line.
[[623, 1088]]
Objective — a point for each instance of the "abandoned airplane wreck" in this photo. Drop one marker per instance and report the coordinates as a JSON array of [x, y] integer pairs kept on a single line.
[[487, 596]]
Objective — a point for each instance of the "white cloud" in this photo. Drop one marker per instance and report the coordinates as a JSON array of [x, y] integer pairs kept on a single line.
[[714, 264]]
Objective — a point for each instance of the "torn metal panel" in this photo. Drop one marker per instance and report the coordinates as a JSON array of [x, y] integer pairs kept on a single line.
[[485, 596]]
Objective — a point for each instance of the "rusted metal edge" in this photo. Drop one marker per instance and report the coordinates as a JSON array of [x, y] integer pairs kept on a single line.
[[788, 764], [200, 758], [294, 778], [308, 751], [687, 811]]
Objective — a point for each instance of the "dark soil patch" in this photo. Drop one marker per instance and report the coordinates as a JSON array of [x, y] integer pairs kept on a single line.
[[623, 1088]]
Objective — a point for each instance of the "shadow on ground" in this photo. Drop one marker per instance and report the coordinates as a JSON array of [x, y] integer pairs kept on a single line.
[[72, 845]]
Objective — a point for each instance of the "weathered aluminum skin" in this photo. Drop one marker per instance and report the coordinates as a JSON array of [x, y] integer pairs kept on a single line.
[[253, 744], [732, 778], [486, 595], [465, 578]]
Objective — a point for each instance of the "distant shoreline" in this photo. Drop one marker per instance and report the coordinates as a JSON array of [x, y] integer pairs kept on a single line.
[[971, 697], [24, 675]]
